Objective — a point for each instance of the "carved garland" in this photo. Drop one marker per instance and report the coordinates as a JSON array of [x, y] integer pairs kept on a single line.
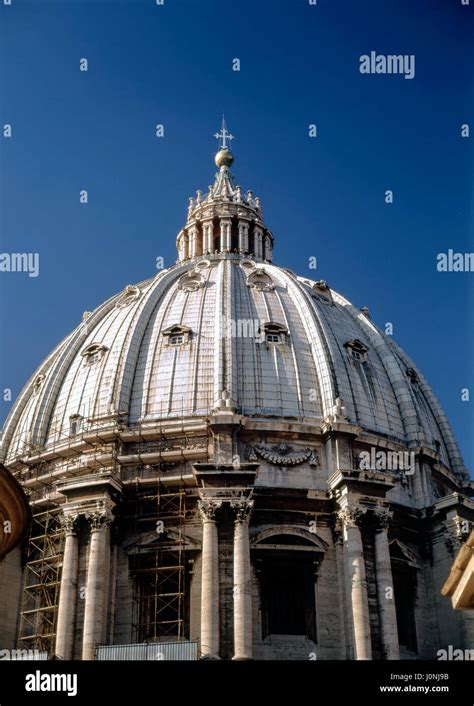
[[283, 455]]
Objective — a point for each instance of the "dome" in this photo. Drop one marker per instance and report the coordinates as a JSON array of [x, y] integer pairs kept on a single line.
[[208, 446], [226, 330], [226, 327]]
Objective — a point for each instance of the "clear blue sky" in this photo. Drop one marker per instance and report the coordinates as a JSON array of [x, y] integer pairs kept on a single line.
[[322, 197]]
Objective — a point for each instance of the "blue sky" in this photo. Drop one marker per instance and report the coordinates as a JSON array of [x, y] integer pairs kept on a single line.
[[322, 197]]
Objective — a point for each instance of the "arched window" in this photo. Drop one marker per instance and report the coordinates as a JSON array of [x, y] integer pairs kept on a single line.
[[287, 561], [260, 280], [191, 281]]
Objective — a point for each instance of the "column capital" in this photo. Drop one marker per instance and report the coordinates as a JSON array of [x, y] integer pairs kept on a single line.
[[69, 523], [242, 509], [456, 532], [383, 517], [207, 509], [350, 516], [100, 517]]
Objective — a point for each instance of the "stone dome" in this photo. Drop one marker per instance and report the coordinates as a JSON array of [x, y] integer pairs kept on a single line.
[[228, 329]]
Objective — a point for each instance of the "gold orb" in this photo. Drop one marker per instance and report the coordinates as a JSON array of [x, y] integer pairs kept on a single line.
[[224, 158]]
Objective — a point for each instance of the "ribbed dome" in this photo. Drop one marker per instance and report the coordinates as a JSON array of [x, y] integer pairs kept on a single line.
[[225, 328], [194, 339]]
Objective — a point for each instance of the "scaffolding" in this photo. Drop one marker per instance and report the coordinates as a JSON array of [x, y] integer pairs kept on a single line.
[[160, 570], [42, 580], [44, 550], [154, 493]]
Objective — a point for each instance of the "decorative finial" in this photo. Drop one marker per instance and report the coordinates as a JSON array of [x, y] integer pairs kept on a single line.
[[224, 158], [223, 135]]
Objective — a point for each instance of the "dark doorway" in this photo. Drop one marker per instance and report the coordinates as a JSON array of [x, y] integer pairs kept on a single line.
[[288, 602], [404, 585]]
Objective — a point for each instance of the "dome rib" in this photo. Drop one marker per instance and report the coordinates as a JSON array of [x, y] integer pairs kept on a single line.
[[325, 373]]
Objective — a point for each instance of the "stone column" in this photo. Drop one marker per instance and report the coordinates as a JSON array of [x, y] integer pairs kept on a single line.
[[185, 247], [68, 591], [268, 248], [225, 239], [243, 236], [97, 581], [385, 592], [190, 242], [211, 237], [258, 242], [208, 237], [193, 241], [209, 580], [356, 570], [242, 581]]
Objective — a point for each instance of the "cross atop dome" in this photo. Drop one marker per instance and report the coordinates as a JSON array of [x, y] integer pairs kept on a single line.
[[224, 157], [223, 135]]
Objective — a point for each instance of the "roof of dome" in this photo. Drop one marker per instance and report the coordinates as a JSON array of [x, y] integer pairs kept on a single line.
[[226, 329]]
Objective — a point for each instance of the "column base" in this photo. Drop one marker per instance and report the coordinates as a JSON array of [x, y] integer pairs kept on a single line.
[[241, 658], [213, 658]]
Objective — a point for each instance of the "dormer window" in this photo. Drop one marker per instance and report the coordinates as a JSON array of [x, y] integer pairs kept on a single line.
[[247, 264], [275, 333], [75, 424], [260, 280], [94, 353], [191, 281], [177, 335], [357, 350]]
